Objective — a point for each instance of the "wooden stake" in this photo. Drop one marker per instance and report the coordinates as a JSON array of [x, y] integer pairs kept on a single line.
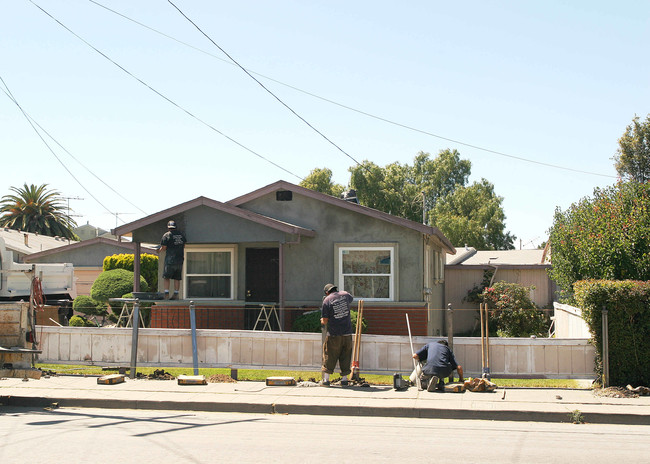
[[415, 366]]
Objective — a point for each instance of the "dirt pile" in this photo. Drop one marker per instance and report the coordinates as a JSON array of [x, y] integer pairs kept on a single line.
[[220, 378]]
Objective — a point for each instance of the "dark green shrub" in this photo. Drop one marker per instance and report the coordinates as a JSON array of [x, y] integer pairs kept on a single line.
[[628, 315], [512, 312], [310, 322], [114, 284], [85, 304], [148, 266], [145, 310]]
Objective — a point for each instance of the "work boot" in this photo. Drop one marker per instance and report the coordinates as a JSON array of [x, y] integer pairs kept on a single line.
[[433, 384]]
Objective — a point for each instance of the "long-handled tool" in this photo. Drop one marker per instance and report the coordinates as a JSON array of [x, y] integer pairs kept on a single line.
[[485, 341], [357, 344], [415, 363]]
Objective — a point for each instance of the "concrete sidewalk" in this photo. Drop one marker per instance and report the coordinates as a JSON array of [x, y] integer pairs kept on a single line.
[[516, 404]]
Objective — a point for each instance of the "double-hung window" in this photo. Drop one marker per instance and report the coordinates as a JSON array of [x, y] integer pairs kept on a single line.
[[209, 271], [368, 272]]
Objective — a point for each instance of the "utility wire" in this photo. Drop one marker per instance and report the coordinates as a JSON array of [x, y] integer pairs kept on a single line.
[[163, 96], [12, 98], [75, 158], [350, 108], [263, 86]]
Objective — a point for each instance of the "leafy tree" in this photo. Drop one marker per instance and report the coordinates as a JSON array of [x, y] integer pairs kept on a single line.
[[86, 305], [320, 180], [36, 209], [632, 160], [114, 284], [603, 237], [473, 216], [148, 266]]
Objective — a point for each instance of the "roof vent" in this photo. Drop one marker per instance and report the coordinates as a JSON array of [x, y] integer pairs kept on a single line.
[[284, 195], [351, 196]]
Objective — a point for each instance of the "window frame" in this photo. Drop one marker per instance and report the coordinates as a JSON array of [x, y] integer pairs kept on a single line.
[[210, 248], [392, 277]]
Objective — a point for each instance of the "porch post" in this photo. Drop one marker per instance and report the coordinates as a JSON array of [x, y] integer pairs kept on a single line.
[[136, 267], [281, 284]]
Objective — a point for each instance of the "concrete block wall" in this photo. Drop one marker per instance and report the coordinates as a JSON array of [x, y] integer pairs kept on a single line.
[[519, 357]]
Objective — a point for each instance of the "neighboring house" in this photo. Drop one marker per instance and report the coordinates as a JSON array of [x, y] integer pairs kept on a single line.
[[467, 269], [87, 258], [282, 243], [87, 232], [23, 244]]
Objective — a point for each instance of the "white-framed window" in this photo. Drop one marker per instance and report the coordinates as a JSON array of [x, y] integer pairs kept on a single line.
[[368, 271], [210, 271]]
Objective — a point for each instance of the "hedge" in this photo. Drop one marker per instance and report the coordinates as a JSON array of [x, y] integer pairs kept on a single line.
[[148, 266], [114, 284], [628, 316]]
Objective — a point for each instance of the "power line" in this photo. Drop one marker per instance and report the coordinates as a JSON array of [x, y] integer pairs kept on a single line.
[[264, 87], [163, 96], [10, 95], [356, 110]]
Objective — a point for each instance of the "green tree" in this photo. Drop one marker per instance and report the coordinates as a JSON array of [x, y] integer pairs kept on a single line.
[[36, 209], [473, 216], [632, 160], [512, 312], [320, 180], [606, 236]]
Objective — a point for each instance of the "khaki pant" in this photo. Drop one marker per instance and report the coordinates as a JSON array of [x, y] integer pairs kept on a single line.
[[337, 348]]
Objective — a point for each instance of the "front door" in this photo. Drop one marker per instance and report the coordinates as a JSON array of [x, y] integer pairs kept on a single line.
[[262, 282]]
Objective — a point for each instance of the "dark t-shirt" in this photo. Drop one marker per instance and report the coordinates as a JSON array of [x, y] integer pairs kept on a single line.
[[336, 308], [175, 243], [438, 359]]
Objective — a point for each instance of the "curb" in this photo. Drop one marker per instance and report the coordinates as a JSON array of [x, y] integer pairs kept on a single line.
[[325, 410]]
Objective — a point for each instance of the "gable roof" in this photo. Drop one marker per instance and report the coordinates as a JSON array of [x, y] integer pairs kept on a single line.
[[374, 213], [128, 247], [219, 206]]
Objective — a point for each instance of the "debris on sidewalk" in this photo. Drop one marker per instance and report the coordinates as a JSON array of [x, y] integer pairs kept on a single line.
[[110, 379], [479, 385], [221, 378], [641, 390], [615, 392], [158, 374]]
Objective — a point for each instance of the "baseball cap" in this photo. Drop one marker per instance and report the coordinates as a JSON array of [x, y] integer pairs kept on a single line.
[[171, 225], [329, 287]]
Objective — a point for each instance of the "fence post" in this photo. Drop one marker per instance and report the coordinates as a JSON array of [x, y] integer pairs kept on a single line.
[[134, 338], [450, 326], [195, 357], [605, 348]]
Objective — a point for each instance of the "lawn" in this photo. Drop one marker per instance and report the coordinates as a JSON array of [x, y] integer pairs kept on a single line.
[[260, 375]]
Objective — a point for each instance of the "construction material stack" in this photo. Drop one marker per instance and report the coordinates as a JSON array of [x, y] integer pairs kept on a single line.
[[16, 352]]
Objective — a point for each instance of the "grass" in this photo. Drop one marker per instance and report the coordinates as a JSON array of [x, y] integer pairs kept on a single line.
[[260, 375]]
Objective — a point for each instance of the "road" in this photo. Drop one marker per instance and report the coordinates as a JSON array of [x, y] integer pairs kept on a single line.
[[136, 436]]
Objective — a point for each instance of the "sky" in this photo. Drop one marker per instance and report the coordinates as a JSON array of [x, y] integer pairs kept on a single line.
[[549, 86]]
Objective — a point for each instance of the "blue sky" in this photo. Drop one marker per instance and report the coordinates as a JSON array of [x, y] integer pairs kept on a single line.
[[554, 82]]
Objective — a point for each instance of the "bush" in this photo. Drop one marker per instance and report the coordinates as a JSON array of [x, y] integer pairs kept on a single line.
[[148, 266], [628, 316], [114, 284], [512, 312], [145, 310], [85, 304], [78, 321], [310, 322]]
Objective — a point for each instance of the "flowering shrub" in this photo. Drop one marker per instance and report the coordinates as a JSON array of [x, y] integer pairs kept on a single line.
[[512, 312]]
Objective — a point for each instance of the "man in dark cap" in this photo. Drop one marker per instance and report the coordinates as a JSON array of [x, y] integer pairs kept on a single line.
[[335, 314], [439, 362], [173, 243]]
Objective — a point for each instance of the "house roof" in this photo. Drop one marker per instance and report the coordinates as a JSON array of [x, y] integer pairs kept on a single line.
[[127, 246], [468, 256], [219, 206], [27, 243], [283, 185]]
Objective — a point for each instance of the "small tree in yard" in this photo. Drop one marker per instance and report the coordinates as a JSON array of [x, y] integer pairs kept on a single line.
[[114, 284], [86, 305], [512, 312]]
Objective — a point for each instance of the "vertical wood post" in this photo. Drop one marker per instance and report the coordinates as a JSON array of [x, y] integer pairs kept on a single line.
[[605, 353], [134, 338]]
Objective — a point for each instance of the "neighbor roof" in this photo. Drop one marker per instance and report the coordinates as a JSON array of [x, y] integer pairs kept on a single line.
[[127, 246], [27, 243], [471, 257]]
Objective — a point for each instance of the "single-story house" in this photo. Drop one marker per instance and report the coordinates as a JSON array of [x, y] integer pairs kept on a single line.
[[468, 268], [86, 256], [279, 245], [23, 244]]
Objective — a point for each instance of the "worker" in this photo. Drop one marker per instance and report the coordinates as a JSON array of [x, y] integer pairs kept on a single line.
[[439, 362], [335, 315], [173, 243]]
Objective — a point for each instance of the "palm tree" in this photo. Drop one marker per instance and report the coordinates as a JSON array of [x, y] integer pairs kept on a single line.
[[36, 209]]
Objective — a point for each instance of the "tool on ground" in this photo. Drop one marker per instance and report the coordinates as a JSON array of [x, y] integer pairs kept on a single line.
[[399, 383], [357, 343], [415, 365], [485, 341]]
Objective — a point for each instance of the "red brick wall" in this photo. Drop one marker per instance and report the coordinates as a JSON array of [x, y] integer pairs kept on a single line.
[[392, 321], [178, 317]]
